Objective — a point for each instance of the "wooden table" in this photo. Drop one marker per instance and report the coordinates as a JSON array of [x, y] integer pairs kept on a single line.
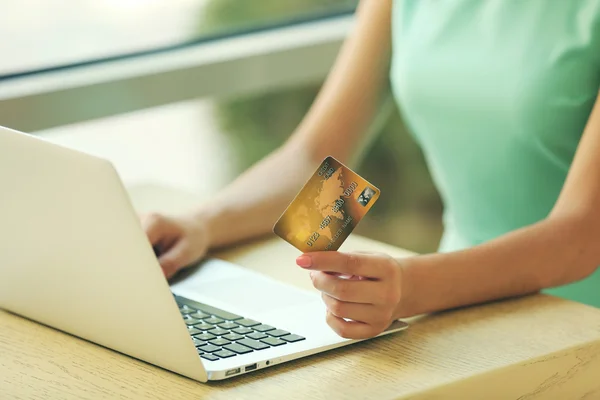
[[537, 347]]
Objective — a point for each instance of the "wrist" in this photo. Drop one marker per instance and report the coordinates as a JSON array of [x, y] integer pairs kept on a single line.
[[204, 220], [407, 304]]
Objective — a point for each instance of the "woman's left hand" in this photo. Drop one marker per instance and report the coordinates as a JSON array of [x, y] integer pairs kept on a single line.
[[362, 291]]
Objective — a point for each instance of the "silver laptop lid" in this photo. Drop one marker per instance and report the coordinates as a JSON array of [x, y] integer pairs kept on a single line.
[[73, 255]]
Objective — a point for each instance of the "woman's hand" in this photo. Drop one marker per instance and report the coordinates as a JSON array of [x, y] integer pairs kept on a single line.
[[178, 241], [362, 291]]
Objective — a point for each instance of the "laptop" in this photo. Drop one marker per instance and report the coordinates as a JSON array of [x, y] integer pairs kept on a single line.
[[75, 257]]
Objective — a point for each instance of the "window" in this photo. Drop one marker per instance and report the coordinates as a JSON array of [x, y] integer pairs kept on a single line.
[[60, 33]]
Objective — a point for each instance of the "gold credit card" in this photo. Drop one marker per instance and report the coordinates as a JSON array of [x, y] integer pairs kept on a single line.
[[327, 209]]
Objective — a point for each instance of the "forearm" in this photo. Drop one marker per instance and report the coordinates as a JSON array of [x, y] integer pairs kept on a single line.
[[250, 205], [553, 252]]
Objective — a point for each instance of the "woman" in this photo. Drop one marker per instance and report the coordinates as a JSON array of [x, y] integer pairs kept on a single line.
[[501, 95]]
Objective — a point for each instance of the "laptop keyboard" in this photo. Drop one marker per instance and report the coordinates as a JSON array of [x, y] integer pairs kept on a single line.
[[220, 334]]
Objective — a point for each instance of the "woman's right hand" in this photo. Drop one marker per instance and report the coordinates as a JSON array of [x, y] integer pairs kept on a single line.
[[178, 241]]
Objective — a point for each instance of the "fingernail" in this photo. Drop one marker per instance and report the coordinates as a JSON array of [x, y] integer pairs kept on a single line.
[[304, 261]]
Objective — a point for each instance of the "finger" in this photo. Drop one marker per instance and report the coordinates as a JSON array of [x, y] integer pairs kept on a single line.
[[352, 277], [175, 258], [350, 329], [344, 263], [152, 225], [355, 291], [367, 313]]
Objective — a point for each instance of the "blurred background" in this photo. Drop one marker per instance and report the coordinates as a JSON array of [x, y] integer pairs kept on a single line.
[[189, 93]]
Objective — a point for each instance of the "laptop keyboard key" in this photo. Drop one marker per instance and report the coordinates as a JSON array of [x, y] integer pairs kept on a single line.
[[233, 337], [209, 357], [204, 327], [193, 331], [253, 344], [198, 342], [205, 336], [238, 348], [228, 325], [186, 310], [199, 315], [225, 353], [209, 348], [218, 332], [213, 320], [293, 338], [256, 335], [242, 330], [247, 322], [263, 328], [191, 321], [278, 333], [273, 341], [220, 342]]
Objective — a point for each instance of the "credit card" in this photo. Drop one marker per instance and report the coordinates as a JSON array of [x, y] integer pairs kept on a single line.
[[327, 208]]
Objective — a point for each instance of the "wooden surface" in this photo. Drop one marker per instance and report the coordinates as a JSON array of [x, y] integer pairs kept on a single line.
[[537, 347]]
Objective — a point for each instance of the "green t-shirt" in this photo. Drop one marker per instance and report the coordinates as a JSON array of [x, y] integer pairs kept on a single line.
[[497, 93]]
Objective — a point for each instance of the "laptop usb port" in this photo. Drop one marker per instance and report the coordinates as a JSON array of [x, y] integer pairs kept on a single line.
[[233, 371], [250, 367]]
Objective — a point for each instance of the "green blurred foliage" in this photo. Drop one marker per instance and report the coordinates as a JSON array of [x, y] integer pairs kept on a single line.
[[227, 15], [408, 213]]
